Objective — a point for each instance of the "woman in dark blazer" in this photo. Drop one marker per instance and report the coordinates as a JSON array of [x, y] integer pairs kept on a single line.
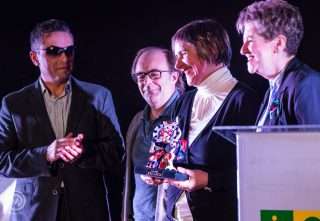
[[272, 32], [203, 52]]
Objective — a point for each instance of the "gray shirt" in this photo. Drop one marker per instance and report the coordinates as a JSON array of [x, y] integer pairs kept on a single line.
[[58, 108]]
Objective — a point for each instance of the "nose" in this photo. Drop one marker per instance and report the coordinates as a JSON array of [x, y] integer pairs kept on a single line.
[[145, 84], [244, 49], [64, 57], [179, 64], [147, 79]]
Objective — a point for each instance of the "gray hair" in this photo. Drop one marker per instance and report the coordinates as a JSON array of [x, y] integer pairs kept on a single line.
[[45, 27], [274, 17]]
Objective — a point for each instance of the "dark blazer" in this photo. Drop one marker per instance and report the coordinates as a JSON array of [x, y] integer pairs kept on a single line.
[[298, 96], [26, 132], [127, 210], [214, 154]]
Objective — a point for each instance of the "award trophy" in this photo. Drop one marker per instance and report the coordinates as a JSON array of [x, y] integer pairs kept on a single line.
[[167, 149]]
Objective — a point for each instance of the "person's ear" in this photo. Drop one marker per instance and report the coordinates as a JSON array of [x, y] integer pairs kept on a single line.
[[34, 58], [175, 76], [280, 43]]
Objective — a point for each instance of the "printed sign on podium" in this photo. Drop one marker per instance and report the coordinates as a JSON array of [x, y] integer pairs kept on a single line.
[[278, 172]]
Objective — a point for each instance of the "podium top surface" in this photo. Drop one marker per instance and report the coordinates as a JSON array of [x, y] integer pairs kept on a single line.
[[230, 132], [277, 128]]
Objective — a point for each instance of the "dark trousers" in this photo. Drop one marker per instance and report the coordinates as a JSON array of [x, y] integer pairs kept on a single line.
[[63, 210]]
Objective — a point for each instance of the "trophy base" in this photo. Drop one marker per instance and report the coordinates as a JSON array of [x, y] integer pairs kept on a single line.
[[162, 174]]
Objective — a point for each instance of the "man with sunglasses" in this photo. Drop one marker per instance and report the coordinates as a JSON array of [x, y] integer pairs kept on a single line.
[[160, 85], [59, 137]]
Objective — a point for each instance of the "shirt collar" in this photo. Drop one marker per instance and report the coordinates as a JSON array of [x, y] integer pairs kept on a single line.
[[166, 111], [275, 82], [44, 89], [217, 82]]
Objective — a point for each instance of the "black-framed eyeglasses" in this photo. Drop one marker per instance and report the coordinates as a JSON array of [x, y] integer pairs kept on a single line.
[[56, 51], [153, 74]]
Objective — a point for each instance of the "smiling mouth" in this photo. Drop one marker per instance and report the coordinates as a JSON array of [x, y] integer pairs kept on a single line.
[[187, 71], [63, 68], [149, 92], [250, 57]]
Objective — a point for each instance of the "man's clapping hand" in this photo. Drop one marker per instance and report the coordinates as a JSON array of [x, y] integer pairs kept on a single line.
[[68, 148]]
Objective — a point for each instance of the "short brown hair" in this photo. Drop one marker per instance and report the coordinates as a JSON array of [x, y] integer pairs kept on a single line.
[[274, 17], [210, 39]]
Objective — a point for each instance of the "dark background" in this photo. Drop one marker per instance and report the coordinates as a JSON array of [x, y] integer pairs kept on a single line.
[[108, 36]]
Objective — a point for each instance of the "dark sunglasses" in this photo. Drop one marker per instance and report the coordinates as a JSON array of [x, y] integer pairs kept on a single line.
[[56, 51]]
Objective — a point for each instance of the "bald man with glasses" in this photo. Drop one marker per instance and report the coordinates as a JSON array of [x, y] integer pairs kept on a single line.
[[160, 85]]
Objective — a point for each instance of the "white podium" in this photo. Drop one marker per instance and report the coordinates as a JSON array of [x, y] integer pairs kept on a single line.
[[278, 172]]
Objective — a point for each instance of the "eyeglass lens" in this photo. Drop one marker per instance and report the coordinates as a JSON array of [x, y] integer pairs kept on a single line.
[[55, 51], [153, 75]]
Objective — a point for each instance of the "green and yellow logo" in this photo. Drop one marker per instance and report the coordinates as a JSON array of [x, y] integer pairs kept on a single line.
[[290, 215]]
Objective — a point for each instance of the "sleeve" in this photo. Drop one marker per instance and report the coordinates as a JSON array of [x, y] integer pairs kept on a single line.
[[247, 108], [242, 110], [221, 181], [111, 129], [127, 210], [307, 100], [113, 158], [107, 152], [109, 109], [17, 161]]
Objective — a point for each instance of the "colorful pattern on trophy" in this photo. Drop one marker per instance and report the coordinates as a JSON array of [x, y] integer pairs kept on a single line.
[[167, 146]]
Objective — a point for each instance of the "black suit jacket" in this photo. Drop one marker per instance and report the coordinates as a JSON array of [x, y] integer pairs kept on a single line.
[[298, 96], [214, 154], [25, 133]]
